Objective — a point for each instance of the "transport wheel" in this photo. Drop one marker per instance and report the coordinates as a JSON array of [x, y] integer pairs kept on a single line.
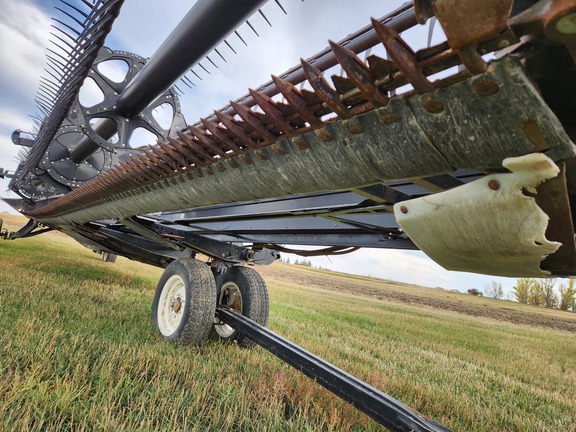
[[185, 302], [242, 289], [109, 257]]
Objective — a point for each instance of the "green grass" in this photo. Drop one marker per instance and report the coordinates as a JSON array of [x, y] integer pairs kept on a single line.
[[77, 351]]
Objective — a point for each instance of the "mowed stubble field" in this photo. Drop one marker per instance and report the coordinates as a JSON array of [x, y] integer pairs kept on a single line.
[[77, 352]]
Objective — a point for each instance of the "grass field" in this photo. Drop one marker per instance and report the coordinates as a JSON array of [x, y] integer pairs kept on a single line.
[[77, 351]]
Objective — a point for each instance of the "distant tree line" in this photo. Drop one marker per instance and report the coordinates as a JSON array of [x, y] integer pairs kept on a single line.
[[537, 292], [493, 289], [302, 262], [541, 292]]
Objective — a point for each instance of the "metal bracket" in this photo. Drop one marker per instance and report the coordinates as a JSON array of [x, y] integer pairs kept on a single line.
[[386, 410], [26, 231], [151, 235], [468, 23], [213, 248]]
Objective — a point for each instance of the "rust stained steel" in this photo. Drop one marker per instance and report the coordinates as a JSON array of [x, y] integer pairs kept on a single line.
[[195, 147], [220, 136], [423, 10], [208, 146], [400, 19], [297, 101], [330, 96], [489, 19], [185, 152], [403, 56], [207, 141], [172, 151], [163, 160], [553, 19], [359, 74], [224, 140], [250, 118], [239, 132], [271, 110]]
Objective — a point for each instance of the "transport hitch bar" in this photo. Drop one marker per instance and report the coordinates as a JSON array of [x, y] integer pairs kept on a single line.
[[384, 409]]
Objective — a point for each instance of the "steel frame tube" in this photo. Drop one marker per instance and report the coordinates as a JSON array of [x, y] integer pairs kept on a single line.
[[383, 408], [106, 128], [206, 24]]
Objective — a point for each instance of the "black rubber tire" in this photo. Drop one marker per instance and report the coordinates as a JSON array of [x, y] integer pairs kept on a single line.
[[255, 301], [109, 257], [200, 302]]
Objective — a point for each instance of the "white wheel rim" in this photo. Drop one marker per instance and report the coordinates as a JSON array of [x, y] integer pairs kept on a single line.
[[171, 305], [235, 302]]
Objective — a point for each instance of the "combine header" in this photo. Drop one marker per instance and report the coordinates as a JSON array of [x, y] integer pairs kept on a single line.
[[462, 149]]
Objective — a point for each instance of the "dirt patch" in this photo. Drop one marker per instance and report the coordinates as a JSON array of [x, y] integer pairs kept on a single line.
[[372, 290]]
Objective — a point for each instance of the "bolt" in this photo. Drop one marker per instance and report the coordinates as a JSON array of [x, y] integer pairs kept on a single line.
[[278, 149], [246, 159], [485, 87], [260, 155], [431, 104], [404, 209], [126, 120], [323, 134], [300, 143], [354, 127], [388, 116], [494, 184]]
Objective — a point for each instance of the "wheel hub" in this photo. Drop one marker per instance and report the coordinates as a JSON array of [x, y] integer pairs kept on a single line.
[[230, 296], [177, 305], [171, 305]]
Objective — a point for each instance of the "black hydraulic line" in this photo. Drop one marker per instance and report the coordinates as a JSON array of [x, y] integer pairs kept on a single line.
[[386, 410]]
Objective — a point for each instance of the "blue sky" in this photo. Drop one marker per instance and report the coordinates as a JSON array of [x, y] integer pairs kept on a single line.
[[143, 25]]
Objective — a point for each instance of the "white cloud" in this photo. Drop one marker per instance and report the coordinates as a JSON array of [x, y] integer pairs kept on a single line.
[[13, 119], [24, 30]]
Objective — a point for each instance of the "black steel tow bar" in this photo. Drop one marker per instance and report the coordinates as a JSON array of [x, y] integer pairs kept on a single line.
[[383, 408]]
